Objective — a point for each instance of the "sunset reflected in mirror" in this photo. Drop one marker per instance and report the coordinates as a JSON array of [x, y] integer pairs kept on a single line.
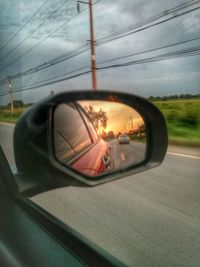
[[120, 117], [97, 137]]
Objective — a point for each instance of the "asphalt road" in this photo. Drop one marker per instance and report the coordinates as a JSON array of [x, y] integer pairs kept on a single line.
[[149, 219], [125, 155]]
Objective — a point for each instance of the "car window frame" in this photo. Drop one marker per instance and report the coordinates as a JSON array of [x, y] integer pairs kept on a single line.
[[80, 247]]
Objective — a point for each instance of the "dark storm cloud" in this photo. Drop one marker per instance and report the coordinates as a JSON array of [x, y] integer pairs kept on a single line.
[[164, 77]]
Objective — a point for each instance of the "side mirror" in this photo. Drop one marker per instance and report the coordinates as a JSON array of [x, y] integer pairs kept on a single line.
[[93, 137], [97, 137]]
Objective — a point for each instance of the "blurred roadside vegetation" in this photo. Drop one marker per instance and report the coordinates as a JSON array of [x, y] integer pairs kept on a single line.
[[183, 120], [19, 108], [7, 116], [182, 115]]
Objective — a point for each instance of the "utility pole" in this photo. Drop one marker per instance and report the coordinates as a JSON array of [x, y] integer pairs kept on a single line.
[[92, 43], [10, 93]]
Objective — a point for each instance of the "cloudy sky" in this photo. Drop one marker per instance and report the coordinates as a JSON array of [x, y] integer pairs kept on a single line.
[[33, 33]]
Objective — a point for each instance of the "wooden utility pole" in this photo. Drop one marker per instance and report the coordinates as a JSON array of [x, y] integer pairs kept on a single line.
[[92, 43], [10, 93]]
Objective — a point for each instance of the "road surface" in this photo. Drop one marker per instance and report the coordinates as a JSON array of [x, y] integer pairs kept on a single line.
[[149, 219], [124, 155]]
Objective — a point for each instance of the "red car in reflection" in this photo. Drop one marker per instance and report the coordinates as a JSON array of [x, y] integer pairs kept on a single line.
[[77, 142], [95, 161]]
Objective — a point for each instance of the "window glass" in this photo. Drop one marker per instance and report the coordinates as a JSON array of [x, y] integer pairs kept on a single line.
[[149, 48], [67, 121]]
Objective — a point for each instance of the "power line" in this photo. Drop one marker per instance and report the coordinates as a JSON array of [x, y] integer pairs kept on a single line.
[[4, 91], [64, 74], [4, 94], [33, 31], [144, 25], [53, 62], [52, 82], [151, 50], [101, 40], [151, 19], [185, 52], [39, 43], [24, 25], [4, 81], [147, 21], [48, 36], [48, 64], [57, 76], [79, 50], [181, 53], [144, 28], [45, 65]]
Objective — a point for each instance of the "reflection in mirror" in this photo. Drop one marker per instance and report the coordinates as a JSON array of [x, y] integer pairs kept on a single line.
[[96, 137]]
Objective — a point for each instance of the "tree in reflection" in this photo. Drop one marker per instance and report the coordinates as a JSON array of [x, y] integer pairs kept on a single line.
[[99, 117]]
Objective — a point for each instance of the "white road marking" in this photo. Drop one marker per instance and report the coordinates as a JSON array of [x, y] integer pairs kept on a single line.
[[123, 158], [183, 155]]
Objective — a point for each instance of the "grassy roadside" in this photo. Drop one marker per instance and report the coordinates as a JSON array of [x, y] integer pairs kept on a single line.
[[7, 116], [183, 121], [182, 117]]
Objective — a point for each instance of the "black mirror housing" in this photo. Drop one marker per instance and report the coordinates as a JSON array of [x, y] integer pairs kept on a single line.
[[34, 144]]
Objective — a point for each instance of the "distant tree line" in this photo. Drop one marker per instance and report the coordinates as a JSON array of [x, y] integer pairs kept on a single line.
[[172, 97], [21, 104]]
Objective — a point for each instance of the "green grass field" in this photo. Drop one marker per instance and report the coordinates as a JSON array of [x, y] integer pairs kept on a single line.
[[182, 117], [183, 121]]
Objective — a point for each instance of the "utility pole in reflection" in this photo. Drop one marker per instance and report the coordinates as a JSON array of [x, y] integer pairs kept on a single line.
[[92, 43], [132, 122], [10, 93], [125, 126]]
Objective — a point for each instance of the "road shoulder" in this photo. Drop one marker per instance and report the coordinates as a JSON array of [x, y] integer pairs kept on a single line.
[[11, 124], [191, 151]]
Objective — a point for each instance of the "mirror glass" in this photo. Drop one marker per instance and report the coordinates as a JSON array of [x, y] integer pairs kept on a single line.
[[96, 137]]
